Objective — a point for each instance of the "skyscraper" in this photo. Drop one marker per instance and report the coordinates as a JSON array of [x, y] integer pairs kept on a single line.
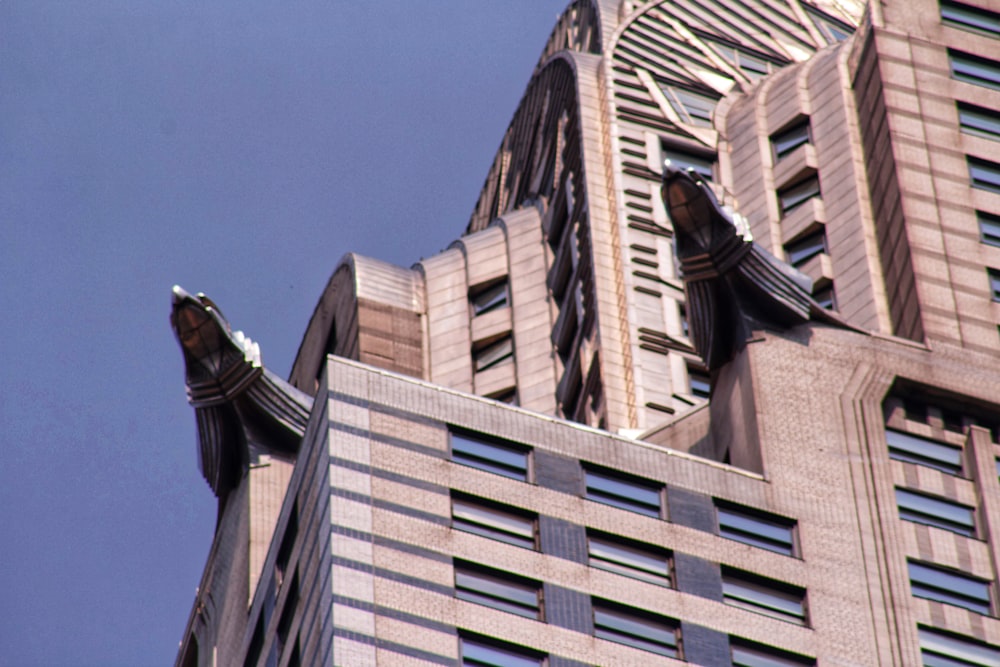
[[619, 423]]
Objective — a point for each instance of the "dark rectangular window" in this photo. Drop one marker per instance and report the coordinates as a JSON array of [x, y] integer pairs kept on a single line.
[[701, 382], [805, 248], [764, 596], [984, 174], [994, 276], [636, 628], [625, 491], [756, 528], [989, 228], [826, 297], [505, 459], [493, 354], [979, 121], [796, 195], [931, 453], [700, 164], [937, 512], [786, 141], [628, 558], [967, 17], [751, 654], [944, 649], [287, 544], [497, 589], [493, 520], [950, 587], [490, 298], [488, 652], [974, 69]]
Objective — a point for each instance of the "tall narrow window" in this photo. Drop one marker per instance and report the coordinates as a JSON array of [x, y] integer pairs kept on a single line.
[[989, 228], [631, 559], [487, 652], [931, 453], [497, 589], [944, 649], [701, 382], [756, 528], [967, 17], [624, 491], [796, 195], [787, 141], [751, 654], [493, 520], [984, 174], [979, 121], [693, 108], [636, 628], [764, 596], [700, 164], [490, 298], [937, 512], [974, 69], [950, 587], [994, 276], [501, 458]]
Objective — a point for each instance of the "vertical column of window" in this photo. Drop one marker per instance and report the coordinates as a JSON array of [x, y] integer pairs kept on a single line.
[[798, 183], [564, 284]]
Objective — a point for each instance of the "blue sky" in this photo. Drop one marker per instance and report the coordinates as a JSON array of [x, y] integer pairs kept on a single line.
[[232, 148]]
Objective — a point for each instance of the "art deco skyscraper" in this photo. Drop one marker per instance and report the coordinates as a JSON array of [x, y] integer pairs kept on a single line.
[[599, 429]]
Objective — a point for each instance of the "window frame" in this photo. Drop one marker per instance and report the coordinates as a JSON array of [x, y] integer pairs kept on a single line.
[[768, 597], [467, 522], [993, 275], [793, 196], [764, 655], [762, 519], [607, 496], [954, 648], [923, 516], [978, 121], [949, 589], [957, 11], [636, 628], [972, 69], [984, 174], [789, 139], [807, 246], [524, 656], [617, 553], [989, 228], [498, 589], [496, 295], [693, 108], [493, 354], [927, 452], [507, 449]]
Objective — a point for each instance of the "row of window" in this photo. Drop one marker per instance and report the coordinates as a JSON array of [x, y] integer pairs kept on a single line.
[[479, 651], [628, 492]]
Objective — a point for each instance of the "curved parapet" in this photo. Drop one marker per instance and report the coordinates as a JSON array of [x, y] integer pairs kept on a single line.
[[732, 284], [242, 409]]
